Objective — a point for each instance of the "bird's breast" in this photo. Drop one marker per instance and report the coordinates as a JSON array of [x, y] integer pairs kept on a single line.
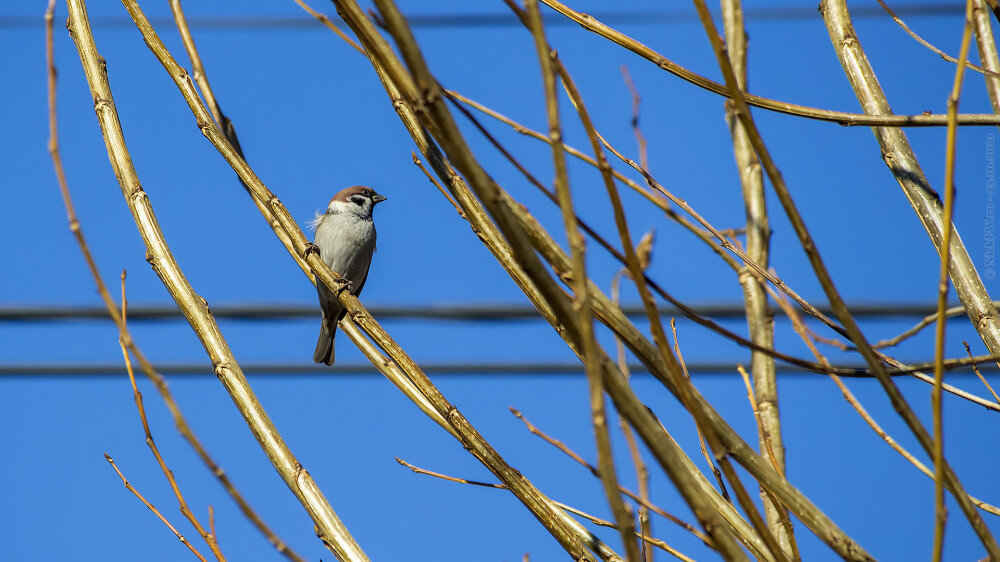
[[346, 244]]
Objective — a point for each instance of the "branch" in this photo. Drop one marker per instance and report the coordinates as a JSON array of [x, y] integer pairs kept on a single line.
[[585, 319], [987, 52], [404, 94], [902, 161], [641, 470], [759, 320], [195, 308], [593, 470], [648, 540], [928, 45], [152, 508], [980, 375], [169, 474], [940, 513], [720, 248], [800, 328], [589, 23], [112, 309], [701, 436], [823, 275], [404, 366]]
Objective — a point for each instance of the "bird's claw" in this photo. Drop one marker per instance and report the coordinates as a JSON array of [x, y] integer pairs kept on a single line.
[[310, 249]]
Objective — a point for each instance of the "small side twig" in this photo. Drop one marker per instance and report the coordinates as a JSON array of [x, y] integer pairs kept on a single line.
[[980, 375], [329, 24], [596, 520], [641, 470], [899, 21], [940, 512], [593, 470], [701, 438], [129, 487], [211, 521], [169, 474], [640, 139], [800, 328]]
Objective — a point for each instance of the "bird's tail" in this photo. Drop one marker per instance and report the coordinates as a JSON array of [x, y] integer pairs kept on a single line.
[[324, 347]]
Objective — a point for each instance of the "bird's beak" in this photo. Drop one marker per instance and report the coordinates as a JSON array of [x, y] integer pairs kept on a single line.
[[378, 198]]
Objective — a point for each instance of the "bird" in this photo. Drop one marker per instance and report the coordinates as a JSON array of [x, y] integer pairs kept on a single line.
[[345, 238]]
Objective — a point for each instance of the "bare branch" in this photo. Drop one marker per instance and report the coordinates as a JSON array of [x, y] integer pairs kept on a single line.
[[147, 368], [195, 309], [940, 512], [648, 540], [823, 275], [152, 508], [589, 23], [169, 474], [899, 21]]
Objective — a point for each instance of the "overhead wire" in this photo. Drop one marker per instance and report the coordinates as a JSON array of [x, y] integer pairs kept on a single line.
[[452, 312], [482, 368], [502, 19]]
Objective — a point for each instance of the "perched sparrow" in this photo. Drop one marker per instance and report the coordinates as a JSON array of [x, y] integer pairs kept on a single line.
[[345, 237]]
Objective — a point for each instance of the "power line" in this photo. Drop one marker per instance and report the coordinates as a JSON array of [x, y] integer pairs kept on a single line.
[[715, 368], [497, 19], [452, 312]]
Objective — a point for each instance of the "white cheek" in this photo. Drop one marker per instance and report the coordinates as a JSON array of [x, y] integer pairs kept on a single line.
[[339, 207]]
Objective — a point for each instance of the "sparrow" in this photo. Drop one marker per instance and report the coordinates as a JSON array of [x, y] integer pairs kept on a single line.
[[345, 238]]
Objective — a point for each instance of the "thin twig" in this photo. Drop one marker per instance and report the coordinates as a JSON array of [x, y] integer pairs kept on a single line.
[[437, 184], [151, 507], [980, 375], [640, 139], [641, 470], [590, 23], [755, 408], [329, 24], [931, 47], [940, 512], [800, 328], [211, 521], [585, 319], [923, 323], [701, 437], [596, 520], [782, 526], [593, 470], [169, 474]]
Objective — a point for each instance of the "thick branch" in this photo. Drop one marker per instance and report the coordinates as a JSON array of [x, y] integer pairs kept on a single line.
[[195, 309]]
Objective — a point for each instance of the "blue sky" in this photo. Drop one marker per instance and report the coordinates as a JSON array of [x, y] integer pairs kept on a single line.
[[312, 119]]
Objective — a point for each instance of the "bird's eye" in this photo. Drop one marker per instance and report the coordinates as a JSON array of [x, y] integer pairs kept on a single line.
[[360, 201]]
